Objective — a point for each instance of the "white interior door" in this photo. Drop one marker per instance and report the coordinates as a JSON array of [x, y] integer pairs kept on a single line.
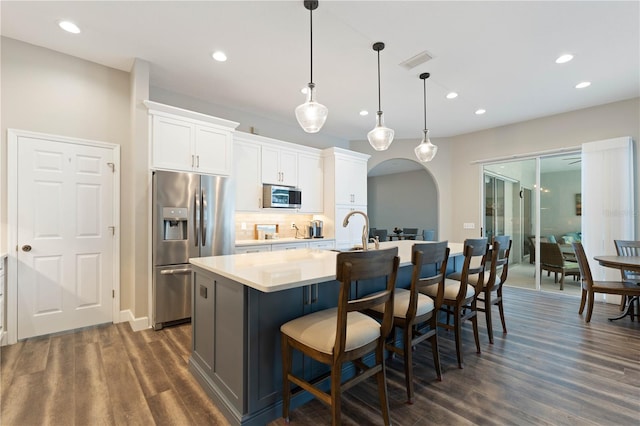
[[65, 235]]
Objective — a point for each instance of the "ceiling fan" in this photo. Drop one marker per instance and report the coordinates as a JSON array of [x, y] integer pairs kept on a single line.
[[573, 160]]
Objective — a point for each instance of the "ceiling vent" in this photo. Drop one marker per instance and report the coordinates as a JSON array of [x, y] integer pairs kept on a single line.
[[419, 59]]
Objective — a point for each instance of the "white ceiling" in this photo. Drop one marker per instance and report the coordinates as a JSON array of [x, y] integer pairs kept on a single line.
[[497, 55]]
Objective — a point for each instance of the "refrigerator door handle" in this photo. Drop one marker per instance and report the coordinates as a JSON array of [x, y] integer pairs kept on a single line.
[[196, 218], [204, 218], [175, 271]]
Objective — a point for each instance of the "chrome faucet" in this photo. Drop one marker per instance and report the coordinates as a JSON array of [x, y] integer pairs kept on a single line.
[[375, 241], [365, 228]]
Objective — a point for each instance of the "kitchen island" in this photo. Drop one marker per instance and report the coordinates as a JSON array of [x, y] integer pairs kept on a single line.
[[239, 303]]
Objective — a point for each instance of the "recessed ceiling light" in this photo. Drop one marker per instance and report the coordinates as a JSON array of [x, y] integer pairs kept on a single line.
[[480, 111], [69, 27], [583, 85], [452, 95], [219, 56], [364, 112], [564, 58]]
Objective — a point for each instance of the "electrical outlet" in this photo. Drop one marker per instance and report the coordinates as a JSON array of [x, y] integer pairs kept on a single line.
[[293, 225], [469, 226]]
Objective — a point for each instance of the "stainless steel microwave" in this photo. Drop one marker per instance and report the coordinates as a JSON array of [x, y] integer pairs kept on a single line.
[[277, 196]]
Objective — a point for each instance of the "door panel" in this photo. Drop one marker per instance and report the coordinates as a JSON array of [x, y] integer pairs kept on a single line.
[[65, 257]]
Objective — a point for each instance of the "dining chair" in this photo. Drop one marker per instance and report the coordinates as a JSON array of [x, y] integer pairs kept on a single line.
[[381, 234], [552, 260], [590, 287], [532, 247], [416, 314], [628, 248], [460, 296], [428, 235], [491, 292], [344, 334], [410, 233]]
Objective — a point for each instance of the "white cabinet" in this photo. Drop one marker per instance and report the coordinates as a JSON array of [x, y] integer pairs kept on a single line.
[[345, 189], [253, 249], [322, 244], [288, 246], [246, 173], [258, 160], [351, 180], [310, 181], [279, 166], [188, 141]]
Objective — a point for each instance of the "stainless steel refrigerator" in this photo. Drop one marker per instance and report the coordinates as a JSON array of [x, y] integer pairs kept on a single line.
[[192, 217]]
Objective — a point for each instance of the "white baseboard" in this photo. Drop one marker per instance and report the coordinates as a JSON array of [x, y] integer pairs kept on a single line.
[[137, 324]]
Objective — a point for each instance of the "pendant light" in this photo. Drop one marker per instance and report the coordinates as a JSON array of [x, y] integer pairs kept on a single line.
[[311, 115], [380, 137], [426, 150]]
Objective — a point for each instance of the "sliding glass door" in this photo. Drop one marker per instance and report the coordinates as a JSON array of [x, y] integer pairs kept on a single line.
[[512, 192]]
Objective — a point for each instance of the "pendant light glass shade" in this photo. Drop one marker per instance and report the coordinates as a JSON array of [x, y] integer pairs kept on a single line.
[[380, 137], [311, 115], [425, 151]]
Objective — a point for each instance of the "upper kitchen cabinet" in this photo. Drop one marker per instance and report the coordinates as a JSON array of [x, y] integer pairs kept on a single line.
[[279, 166], [345, 190], [189, 141], [311, 183], [247, 173], [346, 176], [260, 160]]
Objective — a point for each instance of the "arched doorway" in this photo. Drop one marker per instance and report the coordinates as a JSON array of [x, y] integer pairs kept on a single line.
[[402, 193]]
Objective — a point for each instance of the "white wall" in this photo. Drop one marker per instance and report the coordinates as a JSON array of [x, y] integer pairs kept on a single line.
[[263, 126], [558, 208], [459, 181], [439, 168], [401, 200], [48, 92]]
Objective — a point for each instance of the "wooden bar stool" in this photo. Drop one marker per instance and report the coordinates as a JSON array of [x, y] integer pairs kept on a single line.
[[338, 335], [461, 296], [416, 313]]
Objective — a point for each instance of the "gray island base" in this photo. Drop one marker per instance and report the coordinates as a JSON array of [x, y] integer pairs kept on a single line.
[[240, 302]]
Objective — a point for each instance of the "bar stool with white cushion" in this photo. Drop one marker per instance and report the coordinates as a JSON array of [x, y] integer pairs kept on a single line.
[[460, 296], [344, 334], [416, 313]]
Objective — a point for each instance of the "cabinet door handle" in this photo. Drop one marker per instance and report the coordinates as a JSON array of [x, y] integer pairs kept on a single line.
[[307, 300], [314, 299], [197, 161], [193, 159]]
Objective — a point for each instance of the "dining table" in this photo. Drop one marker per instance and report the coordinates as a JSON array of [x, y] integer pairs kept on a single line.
[[623, 263], [402, 236]]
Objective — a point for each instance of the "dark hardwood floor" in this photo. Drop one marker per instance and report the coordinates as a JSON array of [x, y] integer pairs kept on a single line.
[[551, 368]]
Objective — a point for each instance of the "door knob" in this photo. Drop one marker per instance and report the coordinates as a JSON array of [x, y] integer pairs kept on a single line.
[[26, 247]]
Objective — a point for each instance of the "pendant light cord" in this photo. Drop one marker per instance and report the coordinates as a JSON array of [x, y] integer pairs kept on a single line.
[[379, 108], [311, 41], [425, 103]]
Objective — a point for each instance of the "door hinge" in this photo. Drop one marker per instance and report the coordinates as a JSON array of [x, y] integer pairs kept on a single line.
[[113, 230], [113, 294], [113, 167]]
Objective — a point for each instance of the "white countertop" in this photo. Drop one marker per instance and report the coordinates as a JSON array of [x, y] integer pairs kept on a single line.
[[282, 270]]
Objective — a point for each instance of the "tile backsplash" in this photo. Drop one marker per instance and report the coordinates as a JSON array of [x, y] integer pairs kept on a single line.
[[246, 224]]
